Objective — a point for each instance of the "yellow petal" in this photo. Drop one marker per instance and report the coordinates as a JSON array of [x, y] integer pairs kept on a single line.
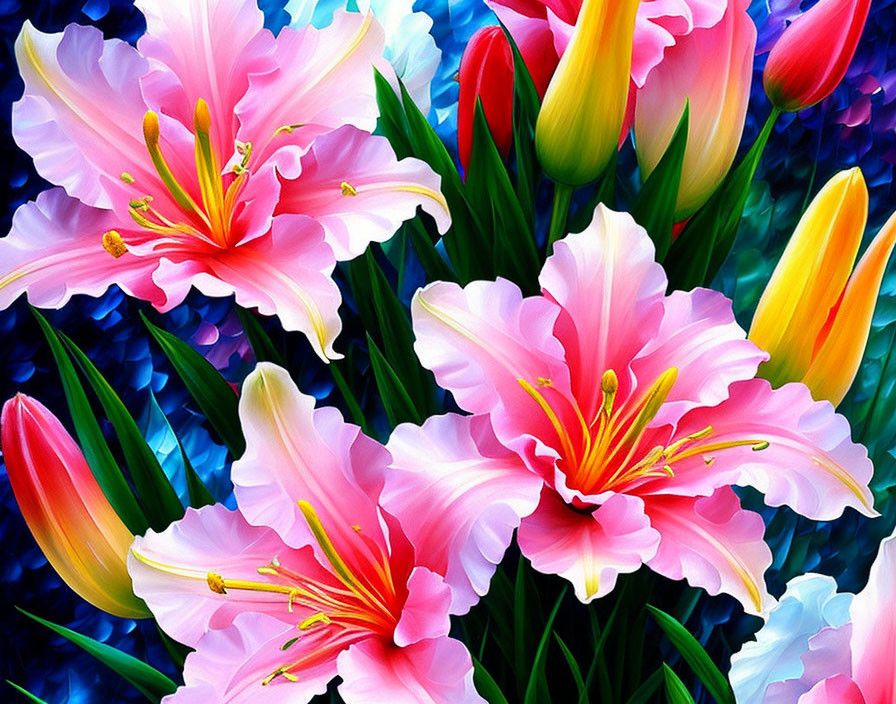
[[840, 354], [810, 277]]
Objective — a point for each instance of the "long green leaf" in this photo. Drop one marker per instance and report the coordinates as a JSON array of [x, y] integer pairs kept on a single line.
[[486, 685], [676, 692], [644, 693], [262, 347], [573, 668], [154, 490], [397, 403], [537, 674], [99, 457], [436, 268], [695, 656], [28, 695], [214, 396], [152, 683]]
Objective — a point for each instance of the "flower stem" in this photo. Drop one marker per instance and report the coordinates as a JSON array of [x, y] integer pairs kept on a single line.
[[562, 200]]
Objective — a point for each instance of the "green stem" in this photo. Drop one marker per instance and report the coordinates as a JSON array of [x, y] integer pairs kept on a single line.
[[562, 200]]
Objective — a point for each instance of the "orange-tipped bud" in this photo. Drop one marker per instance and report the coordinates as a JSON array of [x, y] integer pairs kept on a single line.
[[72, 521]]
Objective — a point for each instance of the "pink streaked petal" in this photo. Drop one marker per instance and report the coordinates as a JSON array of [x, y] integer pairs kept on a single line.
[[699, 336], [323, 80], [286, 273], [837, 690], [425, 611], [713, 543], [205, 49], [81, 116], [874, 628], [811, 463], [296, 453], [588, 549], [230, 665], [170, 571], [55, 250], [611, 290], [437, 671], [459, 495], [479, 341], [353, 185]]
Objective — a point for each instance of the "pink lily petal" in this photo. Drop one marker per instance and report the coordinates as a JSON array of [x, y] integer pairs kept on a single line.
[[589, 550], [170, 571], [698, 336], [230, 665], [286, 274], [204, 50], [425, 612], [353, 185], [811, 463], [606, 280], [713, 543], [437, 671], [874, 629], [55, 250], [334, 87], [81, 116], [479, 341], [296, 453], [837, 690], [459, 495]]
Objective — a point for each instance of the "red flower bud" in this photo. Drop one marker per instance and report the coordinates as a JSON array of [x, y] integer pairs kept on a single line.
[[486, 72], [812, 55]]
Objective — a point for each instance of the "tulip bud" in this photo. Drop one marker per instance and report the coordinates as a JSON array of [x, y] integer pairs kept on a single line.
[[584, 108], [711, 69], [72, 521], [812, 55], [815, 314], [486, 72]]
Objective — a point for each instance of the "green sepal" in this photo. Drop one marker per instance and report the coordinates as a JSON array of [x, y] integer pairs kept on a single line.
[[153, 488], [153, 684], [96, 451], [695, 656], [654, 208], [214, 396], [676, 692]]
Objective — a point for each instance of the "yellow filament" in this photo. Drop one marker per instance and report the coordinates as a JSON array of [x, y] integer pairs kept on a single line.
[[208, 170], [151, 137], [536, 396], [317, 619], [609, 385]]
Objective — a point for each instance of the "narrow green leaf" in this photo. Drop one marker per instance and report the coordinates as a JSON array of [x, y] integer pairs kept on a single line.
[[604, 192], [28, 695], [154, 490], [354, 408], [397, 403], [392, 122], [99, 457], [262, 346], [522, 627], [655, 207], [573, 668], [537, 675], [152, 683], [214, 396], [695, 656], [486, 686], [676, 692], [644, 693], [436, 268]]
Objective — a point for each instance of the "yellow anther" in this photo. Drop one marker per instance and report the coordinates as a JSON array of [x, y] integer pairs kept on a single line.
[[113, 244], [287, 129], [142, 204], [544, 381], [758, 447], [277, 673], [202, 117], [708, 461], [288, 675], [609, 385], [216, 583], [320, 619], [357, 529], [348, 189], [126, 177], [270, 571], [668, 470]]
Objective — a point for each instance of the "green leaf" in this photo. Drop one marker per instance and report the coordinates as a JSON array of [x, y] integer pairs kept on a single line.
[[436, 268], [351, 402], [676, 692], [486, 685], [397, 403], [152, 683], [655, 207], [214, 396], [262, 347], [644, 693], [573, 668], [99, 457], [537, 679], [695, 656], [153, 488], [392, 121], [26, 693]]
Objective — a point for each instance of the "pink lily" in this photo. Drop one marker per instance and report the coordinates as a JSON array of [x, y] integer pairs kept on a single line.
[[321, 571], [214, 155], [637, 411]]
